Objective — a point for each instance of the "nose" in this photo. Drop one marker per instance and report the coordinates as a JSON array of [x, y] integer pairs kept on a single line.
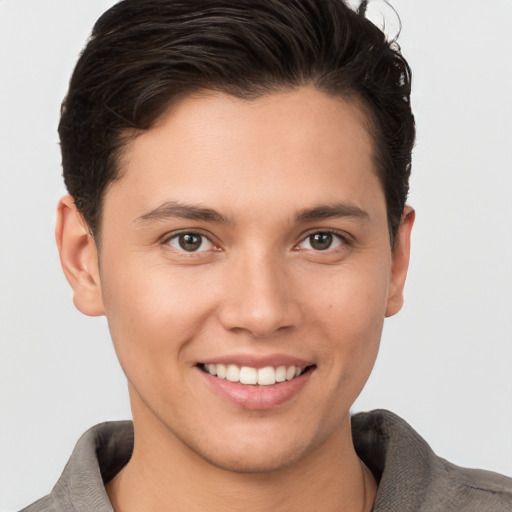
[[259, 297]]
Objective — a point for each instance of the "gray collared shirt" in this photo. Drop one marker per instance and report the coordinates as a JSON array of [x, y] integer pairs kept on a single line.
[[411, 477]]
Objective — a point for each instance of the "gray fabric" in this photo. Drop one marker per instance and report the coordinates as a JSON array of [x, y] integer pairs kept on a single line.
[[98, 456], [411, 477]]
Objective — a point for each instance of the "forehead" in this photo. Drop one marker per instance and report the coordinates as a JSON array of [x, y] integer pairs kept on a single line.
[[291, 147]]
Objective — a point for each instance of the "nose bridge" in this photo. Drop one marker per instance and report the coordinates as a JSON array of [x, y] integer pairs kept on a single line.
[[258, 296]]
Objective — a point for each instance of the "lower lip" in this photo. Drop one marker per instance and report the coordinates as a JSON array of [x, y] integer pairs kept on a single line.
[[257, 398]]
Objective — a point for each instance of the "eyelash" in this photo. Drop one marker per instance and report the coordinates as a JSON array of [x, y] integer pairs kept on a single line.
[[176, 236], [335, 234]]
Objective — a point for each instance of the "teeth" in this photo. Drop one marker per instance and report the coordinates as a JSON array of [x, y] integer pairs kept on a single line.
[[248, 375], [233, 373], [267, 376], [280, 373], [221, 370]]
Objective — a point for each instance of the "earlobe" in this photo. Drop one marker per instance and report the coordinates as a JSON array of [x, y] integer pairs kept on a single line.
[[79, 258], [400, 262]]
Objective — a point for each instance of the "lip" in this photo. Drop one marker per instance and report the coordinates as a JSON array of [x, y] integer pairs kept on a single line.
[[254, 397]]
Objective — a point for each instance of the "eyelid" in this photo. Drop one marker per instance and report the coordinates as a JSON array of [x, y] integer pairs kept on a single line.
[[175, 234], [344, 237]]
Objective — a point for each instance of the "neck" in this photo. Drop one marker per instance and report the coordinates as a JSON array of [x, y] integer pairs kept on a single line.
[[164, 474]]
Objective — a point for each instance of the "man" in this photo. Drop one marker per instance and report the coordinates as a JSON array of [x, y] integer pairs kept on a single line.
[[238, 173]]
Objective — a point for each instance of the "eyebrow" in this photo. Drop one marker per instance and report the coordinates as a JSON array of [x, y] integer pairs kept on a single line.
[[174, 209], [333, 211]]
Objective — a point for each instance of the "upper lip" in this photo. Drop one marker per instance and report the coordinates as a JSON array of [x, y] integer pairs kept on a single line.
[[254, 361]]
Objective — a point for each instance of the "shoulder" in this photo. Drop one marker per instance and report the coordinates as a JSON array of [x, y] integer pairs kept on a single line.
[[43, 505], [413, 478], [98, 456]]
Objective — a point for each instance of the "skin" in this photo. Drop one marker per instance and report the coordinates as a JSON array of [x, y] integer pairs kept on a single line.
[[256, 287]]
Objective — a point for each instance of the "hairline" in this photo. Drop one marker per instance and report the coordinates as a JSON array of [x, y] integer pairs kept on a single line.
[[128, 135]]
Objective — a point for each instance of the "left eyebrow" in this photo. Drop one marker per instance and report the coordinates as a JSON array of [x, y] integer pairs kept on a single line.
[[174, 209], [332, 211]]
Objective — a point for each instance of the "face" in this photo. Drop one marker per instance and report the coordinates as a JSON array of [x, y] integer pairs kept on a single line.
[[245, 271]]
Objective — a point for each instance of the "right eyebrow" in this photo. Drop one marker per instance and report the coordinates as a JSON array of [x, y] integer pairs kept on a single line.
[[177, 210]]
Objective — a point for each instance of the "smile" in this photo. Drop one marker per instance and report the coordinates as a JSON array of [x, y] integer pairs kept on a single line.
[[267, 376], [257, 384]]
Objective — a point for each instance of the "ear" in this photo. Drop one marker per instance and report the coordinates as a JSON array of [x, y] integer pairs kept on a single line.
[[79, 258], [400, 262]]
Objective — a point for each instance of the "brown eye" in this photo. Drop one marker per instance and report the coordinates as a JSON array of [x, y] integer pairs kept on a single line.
[[321, 241], [190, 242]]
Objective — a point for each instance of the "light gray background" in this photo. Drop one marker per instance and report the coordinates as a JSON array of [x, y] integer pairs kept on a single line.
[[445, 361]]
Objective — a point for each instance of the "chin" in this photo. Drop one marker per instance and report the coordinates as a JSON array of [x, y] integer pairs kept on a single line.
[[254, 461], [256, 448]]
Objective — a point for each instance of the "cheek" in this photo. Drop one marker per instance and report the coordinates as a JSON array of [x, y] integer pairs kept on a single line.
[[154, 313], [351, 314]]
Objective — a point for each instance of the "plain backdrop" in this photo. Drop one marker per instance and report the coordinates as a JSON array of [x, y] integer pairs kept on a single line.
[[445, 361]]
